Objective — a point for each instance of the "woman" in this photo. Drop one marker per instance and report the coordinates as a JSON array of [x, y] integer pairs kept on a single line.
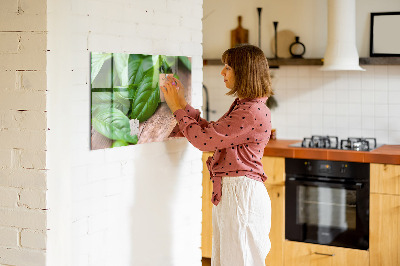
[[242, 208]]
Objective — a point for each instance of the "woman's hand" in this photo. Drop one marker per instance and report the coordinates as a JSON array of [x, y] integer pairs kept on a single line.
[[174, 94], [181, 91]]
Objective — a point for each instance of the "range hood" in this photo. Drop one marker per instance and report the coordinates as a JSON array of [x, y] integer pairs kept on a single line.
[[341, 51]]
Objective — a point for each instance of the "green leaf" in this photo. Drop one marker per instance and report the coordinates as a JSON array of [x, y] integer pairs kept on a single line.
[[100, 101], [122, 99], [101, 97], [98, 60], [120, 73], [167, 63], [147, 98], [134, 62], [113, 124], [119, 143], [99, 107], [145, 65], [186, 62]]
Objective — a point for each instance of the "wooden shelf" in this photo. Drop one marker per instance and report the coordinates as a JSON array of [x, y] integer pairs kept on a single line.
[[380, 61], [273, 63], [294, 62]]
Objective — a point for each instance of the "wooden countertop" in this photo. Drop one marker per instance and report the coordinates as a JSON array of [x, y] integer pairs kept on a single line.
[[389, 154]]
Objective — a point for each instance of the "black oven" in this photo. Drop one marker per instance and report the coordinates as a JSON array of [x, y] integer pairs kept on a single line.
[[327, 202]]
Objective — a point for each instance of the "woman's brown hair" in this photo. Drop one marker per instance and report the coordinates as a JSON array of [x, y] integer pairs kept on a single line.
[[250, 66]]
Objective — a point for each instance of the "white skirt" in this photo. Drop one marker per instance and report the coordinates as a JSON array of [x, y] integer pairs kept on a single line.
[[241, 223]]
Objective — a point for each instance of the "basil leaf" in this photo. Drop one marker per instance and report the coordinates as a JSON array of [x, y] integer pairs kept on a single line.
[[99, 107], [134, 62], [100, 101], [147, 99], [98, 60], [167, 63], [120, 69], [146, 64], [101, 97], [113, 124], [122, 100], [186, 62], [119, 143]]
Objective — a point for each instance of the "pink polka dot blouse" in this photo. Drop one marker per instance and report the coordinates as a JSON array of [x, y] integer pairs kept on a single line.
[[238, 139]]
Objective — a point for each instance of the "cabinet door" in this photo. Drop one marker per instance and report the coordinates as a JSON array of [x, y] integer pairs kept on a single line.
[[384, 230], [274, 168], [277, 233], [385, 178], [304, 254], [206, 232]]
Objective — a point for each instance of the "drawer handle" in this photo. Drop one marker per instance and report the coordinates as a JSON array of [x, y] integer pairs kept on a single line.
[[324, 254]]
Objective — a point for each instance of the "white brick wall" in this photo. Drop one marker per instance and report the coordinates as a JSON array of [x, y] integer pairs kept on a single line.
[[136, 205], [23, 132], [98, 204]]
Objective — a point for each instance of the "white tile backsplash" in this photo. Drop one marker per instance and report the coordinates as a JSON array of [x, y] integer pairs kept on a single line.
[[394, 110], [345, 103]]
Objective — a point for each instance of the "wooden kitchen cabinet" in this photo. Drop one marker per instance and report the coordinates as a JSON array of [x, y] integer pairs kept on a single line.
[[274, 168], [305, 254], [384, 236], [385, 178], [206, 232], [277, 233], [385, 215]]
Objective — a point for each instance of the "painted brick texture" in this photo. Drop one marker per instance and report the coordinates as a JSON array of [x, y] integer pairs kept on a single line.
[[117, 206], [94, 198], [23, 126]]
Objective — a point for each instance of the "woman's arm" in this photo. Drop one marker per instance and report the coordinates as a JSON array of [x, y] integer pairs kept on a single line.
[[174, 93], [235, 129]]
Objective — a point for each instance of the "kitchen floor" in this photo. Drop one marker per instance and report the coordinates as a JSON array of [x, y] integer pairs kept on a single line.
[[206, 261]]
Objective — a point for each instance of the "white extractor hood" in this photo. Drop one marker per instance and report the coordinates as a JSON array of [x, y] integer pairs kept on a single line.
[[341, 51]]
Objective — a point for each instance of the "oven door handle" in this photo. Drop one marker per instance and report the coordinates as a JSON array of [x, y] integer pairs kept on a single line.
[[357, 185]]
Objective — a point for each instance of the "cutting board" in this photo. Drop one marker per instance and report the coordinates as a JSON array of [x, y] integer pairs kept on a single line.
[[239, 35]]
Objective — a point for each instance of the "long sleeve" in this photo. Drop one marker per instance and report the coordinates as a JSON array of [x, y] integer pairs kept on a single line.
[[193, 113], [231, 130], [238, 139]]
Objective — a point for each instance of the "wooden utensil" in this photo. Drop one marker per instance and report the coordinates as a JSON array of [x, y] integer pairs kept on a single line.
[[239, 35]]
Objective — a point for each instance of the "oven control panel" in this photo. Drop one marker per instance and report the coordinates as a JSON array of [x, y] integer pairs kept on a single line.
[[337, 169]]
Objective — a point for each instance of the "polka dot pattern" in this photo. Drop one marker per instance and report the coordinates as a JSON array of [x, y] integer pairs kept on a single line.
[[238, 139]]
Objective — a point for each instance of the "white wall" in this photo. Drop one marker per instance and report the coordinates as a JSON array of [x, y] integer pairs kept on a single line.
[[136, 205], [23, 133], [311, 102], [306, 19], [343, 104]]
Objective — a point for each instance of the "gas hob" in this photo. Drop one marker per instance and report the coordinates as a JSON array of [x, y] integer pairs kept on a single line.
[[332, 142]]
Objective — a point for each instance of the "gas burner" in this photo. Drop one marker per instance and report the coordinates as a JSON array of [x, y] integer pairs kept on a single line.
[[327, 142], [358, 144], [332, 142]]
